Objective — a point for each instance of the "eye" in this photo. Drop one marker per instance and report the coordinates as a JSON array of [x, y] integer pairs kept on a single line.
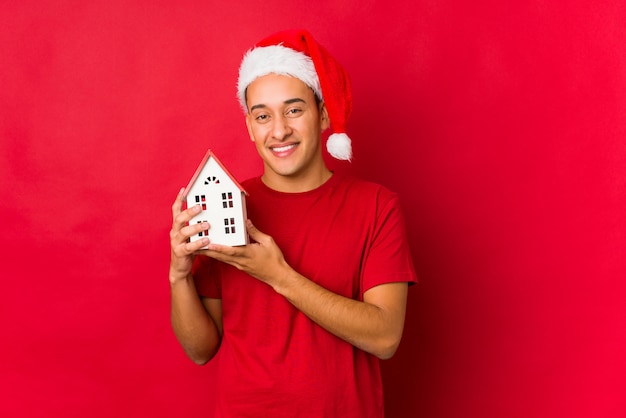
[[294, 111], [262, 118]]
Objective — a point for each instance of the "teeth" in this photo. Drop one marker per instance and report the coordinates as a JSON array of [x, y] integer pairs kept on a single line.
[[283, 149]]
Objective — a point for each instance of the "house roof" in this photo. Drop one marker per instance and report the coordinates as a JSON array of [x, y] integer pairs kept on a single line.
[[209, 154]]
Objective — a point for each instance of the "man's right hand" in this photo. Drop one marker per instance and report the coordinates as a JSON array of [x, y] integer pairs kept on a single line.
[[182, 251]]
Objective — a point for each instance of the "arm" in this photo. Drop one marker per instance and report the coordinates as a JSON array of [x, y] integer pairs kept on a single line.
[[374, 325], [197, 323]]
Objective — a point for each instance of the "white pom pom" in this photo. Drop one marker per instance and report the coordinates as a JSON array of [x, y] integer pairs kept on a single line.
[[339, 146]]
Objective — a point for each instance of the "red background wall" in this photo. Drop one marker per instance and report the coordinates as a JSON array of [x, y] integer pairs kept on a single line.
[[501, 125]]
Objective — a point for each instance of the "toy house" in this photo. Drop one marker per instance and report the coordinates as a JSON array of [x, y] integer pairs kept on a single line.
[[223, 203]]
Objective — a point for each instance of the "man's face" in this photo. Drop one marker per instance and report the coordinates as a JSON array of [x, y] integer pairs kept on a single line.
[[285, 122]]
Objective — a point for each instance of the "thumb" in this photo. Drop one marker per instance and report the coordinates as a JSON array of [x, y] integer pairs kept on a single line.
[[254, 233]]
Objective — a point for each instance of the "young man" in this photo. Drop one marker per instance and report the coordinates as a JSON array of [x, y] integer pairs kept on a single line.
[[303, 314]]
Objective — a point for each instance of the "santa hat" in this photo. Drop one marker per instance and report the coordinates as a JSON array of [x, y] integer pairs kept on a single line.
[[295, 53]]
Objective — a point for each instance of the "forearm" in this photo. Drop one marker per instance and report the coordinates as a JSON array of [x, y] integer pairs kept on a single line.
[[372, 327], [194, 328]]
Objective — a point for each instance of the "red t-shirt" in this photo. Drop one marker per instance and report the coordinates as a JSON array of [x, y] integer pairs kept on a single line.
[[348, 236]]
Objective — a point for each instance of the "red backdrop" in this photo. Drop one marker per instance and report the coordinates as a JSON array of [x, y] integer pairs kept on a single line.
[[501, 125]]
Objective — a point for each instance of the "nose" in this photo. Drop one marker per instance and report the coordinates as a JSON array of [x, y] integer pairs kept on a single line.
[[281, 128]]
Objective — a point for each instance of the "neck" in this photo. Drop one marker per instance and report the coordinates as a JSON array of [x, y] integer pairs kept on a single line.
[[295, 184]]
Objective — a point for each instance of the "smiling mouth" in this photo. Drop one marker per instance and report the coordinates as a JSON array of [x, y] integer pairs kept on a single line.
[[283, 148]]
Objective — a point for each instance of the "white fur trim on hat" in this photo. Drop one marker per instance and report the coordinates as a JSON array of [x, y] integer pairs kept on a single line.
[[339, 146], [276, 59]]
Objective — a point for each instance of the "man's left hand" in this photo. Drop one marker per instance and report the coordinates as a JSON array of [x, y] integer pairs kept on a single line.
[[261, 258]]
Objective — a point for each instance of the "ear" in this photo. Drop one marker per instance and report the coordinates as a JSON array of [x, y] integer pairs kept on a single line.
[[324, 119], [249, 127]]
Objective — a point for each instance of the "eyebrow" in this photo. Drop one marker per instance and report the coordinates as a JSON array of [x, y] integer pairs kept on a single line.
[[287, 102]]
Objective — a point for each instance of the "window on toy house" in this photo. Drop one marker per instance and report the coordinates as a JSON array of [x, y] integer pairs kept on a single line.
[[229, 225], [227, 200], [201, 200], [212, 179]]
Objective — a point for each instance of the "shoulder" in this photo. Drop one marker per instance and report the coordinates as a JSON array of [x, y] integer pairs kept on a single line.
[[361, 189]]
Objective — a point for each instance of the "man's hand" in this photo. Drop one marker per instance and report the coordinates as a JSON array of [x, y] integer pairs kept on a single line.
[[182, 251], [261, 258]]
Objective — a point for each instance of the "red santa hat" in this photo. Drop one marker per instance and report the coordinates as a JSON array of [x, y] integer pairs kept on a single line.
[[295, 53]]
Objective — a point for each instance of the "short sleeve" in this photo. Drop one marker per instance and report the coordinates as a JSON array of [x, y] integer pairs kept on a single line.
[[388, 256]]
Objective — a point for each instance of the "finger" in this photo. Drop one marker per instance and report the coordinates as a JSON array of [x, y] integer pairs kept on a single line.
[[181, 231], [226, 250], [183, 217], [189, 231], [196, 246], [178, 203], [254, 233], [187, 248]]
